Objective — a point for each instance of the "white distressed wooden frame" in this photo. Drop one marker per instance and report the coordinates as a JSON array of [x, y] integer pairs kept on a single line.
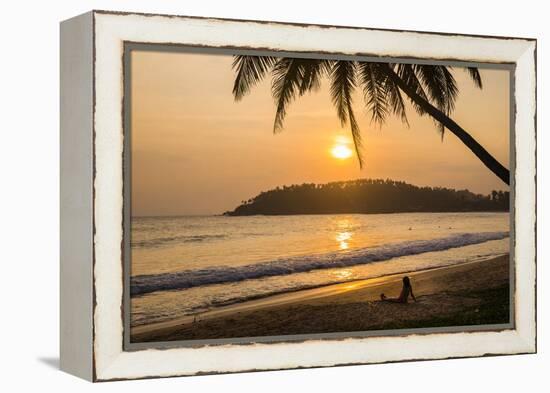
[[92, 89]]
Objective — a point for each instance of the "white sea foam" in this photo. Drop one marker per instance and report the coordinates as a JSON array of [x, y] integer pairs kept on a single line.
[[143, 284], [169, 240]]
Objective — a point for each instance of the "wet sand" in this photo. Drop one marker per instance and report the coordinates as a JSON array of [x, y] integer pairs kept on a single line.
[[468, 294]]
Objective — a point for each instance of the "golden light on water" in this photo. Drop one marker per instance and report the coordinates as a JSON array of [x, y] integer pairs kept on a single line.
[[342, 238], [343, 232], [343, 274]]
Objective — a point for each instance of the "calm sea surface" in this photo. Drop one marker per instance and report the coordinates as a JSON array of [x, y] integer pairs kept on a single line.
[[186, 265]]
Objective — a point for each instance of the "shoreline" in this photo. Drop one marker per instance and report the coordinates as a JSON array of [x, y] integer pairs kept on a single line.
[[350, 213], [443, 292], [321, 214]]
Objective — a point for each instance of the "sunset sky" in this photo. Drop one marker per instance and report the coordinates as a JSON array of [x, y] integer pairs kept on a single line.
[[197, 151]]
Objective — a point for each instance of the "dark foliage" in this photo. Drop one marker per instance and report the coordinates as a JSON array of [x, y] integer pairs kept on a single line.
[[430, 89], [368, 196]]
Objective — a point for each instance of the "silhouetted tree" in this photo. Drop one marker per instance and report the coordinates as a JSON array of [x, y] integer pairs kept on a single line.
[[431, 89], [368, 196]]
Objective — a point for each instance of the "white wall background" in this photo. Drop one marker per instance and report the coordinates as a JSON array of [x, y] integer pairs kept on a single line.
[[29, 195]]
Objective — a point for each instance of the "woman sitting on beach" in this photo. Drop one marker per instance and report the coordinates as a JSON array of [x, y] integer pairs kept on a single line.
[[407, 289]]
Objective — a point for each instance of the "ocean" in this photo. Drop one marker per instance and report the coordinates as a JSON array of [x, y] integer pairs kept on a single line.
[[190, 264]]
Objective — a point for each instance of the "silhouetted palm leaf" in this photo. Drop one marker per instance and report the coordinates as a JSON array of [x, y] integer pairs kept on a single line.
[[314, 70], [431, 90], [293, 77], [440, 87], [374, 90], [250, 70], [342, 87], [475, 75], [395, 100], [286, 83], [407, 73]]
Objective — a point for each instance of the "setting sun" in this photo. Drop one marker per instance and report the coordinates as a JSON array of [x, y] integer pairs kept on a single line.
[[341, 152]]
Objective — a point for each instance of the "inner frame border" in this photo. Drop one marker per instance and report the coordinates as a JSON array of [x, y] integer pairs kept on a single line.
[[129, 46]]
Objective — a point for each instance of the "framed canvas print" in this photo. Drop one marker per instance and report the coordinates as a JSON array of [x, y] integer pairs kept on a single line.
[[245, 195]]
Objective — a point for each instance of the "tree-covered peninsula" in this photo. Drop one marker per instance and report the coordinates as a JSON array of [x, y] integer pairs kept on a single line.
[[368, 196]]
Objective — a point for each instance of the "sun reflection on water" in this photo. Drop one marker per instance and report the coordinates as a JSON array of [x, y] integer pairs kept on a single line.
[[342, 238], [343, 233], [343, 274]]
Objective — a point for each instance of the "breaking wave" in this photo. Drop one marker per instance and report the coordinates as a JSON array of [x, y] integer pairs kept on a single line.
[[285, 266], [162, 241]]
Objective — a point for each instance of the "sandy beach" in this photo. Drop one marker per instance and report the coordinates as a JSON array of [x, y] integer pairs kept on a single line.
[[472, 293]]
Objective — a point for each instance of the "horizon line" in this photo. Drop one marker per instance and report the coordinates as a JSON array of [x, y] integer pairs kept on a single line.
[[298, 184]]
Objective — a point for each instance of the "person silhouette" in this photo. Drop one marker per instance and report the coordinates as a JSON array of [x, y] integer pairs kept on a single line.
[[405, 292]]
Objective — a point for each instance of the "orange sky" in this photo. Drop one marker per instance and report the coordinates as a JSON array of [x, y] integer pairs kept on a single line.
[[197, 151]]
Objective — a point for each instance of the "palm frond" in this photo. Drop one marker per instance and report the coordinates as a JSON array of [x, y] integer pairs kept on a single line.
[[440, 86], [342, 87], [313, 71], [407, 73], [393, 94], [356, 135], [374, 91], [286, 82], [382, 85], [292, 77], [288, 76], [397, 102], [476, 76], [250, 71]]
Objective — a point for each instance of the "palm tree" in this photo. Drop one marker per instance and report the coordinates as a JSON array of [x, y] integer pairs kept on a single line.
[[431, 89]]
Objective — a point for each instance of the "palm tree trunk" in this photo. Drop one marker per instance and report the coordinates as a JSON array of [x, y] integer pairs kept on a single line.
[[490, 162]]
